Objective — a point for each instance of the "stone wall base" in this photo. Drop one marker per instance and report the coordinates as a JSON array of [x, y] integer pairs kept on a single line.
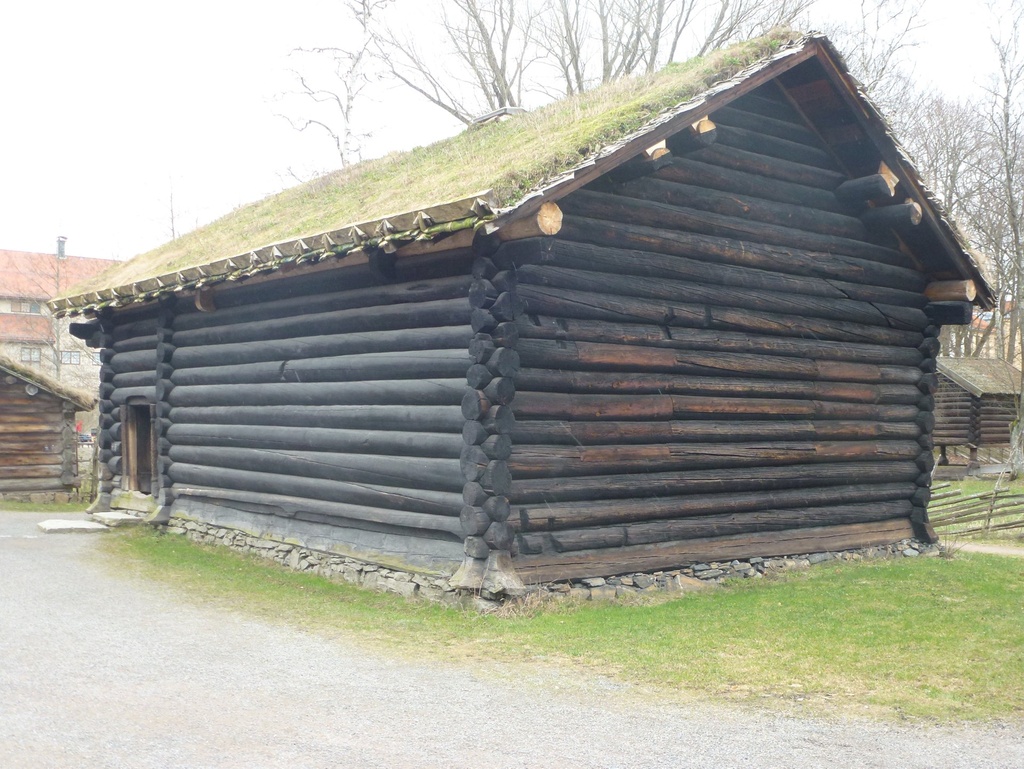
[[39, 497], [439, 589]]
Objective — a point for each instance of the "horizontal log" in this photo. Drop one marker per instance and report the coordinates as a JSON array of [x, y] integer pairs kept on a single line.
[[655, 335], [640, 166], [765, 104], [951, 291], [783, 129], [324, 346], [643, 263], [900, 217], [14, 448], [728, 251], [402, 472], [342, 368], [442, 312], [310, 302], [713, 526], [653, 213], [31, 471], [546, 221], [745, 207], [534, 405], [635, 485], [770, 167], [689, 293], [569, 461], [593, 356], [694, 171], [697, 431], [647, 558], [701, 133], [949, 313], [143, 360], [123, 394], [554, 516], [446, 419], [394, 443], [587, 305], [130, 326], [427, 501], [30, 484], [425, 392], [856, 193], [131, 379], [134, 344], [292, 507], [755, 141]]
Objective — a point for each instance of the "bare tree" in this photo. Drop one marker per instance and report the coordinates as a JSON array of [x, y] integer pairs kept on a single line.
[[500, 53], [876, 47], [350, 74]]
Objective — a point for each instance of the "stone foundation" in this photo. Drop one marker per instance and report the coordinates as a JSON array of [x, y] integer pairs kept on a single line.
[[439, 589], [39, 497]]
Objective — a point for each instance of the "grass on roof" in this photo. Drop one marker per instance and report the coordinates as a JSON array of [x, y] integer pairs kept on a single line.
[[508, 158]]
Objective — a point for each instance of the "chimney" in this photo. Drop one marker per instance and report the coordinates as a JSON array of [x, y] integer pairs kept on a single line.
[[61, 240]]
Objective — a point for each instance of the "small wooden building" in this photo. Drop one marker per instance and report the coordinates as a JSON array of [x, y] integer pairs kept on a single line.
[[688, 320], [975, 405], [38, 442]]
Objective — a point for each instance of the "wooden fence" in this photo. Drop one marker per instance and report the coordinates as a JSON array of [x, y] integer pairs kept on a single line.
[[953, 513]]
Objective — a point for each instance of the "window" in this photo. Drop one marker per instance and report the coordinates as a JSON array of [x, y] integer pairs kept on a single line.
[[24, 305], [71, 356], [94, 358], [31, 354]]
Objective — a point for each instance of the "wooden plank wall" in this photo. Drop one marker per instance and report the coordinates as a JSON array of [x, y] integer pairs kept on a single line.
[[328, 400], [718, 360], [32, 436]]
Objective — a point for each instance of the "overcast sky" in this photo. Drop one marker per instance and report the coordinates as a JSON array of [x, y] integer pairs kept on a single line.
[[109, 107]]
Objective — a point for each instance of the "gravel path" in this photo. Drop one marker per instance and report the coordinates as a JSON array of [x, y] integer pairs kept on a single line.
[[98, 671], [973, 547]]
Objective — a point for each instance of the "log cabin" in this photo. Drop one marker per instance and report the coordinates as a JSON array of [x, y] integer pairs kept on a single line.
[[685, 318], [975, 405], [38, 442]]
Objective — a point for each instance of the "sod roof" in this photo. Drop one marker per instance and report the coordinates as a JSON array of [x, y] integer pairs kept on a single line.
[[488, 167], [495, 170], [82, 401]]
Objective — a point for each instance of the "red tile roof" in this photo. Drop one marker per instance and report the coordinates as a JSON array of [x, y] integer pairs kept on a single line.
[[25, 328], [43, 276]]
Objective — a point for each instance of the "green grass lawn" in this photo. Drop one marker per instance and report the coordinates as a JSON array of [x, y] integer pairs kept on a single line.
[[48, 507], [922, 638]]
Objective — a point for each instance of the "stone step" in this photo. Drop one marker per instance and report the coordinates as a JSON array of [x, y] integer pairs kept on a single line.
[[58, 526], [115, 518]]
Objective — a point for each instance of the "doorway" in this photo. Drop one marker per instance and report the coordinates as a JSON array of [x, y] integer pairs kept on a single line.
[[138, 446]]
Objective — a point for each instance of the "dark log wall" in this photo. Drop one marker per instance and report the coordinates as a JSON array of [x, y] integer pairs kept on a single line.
[[996, 415], [128, 375], [955, 422], [718, 359], [37, 440], [326, 409], [965, 419]]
